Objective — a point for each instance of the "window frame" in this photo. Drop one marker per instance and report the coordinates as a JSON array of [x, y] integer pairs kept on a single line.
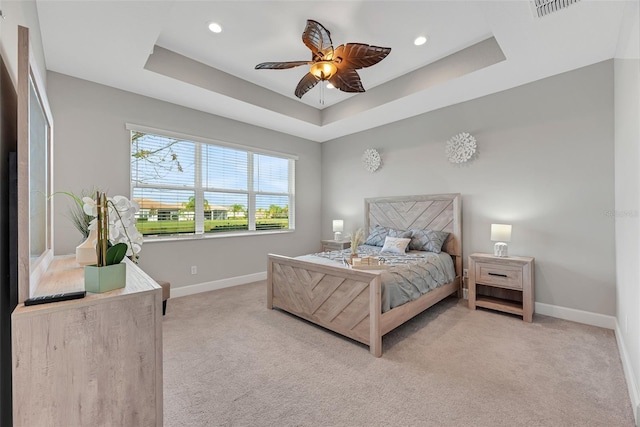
[[199, 190]]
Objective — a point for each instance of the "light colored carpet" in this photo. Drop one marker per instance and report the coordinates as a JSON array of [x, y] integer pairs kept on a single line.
[[229, 361]]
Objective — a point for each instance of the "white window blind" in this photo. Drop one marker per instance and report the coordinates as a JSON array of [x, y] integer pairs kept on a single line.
[[196, 187]]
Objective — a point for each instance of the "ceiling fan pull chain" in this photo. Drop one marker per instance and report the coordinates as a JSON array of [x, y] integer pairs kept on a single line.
[[321, 93]]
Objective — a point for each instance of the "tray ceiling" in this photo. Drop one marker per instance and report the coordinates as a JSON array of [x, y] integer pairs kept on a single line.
[[163, 49]]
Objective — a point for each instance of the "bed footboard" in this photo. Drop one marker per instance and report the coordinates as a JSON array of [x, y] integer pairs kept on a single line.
[[343, 300]]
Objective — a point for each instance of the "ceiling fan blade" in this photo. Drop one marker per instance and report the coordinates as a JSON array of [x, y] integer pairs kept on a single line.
[[280, 65], [306, 84], [359, 55], [318, 39], [347, 80]]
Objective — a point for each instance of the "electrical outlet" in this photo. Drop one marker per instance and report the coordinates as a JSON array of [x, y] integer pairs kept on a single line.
[[194, 269], [465, 272]]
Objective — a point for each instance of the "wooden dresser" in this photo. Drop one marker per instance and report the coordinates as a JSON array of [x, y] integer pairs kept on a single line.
[[95, 361]]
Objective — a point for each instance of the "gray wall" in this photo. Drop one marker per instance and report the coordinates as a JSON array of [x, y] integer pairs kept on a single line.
[[627, 227], [627, 190], [92, 149], [544, 164]]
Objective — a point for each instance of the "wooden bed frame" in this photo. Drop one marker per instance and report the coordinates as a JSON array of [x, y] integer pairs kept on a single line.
[[348, 301]]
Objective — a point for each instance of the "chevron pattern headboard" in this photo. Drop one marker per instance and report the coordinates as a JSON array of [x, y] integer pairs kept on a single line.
[[433, 211]]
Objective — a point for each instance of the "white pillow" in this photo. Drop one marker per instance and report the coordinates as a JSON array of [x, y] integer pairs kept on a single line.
[[396, 245]]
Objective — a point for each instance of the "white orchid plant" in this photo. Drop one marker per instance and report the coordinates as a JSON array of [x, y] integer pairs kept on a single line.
[[115, 221]]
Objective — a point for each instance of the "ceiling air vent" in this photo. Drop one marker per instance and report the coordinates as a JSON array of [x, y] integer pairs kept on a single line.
[[547, 7]]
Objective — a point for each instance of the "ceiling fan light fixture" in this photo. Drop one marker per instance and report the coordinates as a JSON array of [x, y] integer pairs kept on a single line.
[[338, 65], [323, 70], [214, 27]]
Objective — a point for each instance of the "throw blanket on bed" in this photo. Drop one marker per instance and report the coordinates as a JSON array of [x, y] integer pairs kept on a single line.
[[407, 277]]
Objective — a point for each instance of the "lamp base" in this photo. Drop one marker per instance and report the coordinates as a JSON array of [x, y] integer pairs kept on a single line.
[[500, 249], [337, 236]]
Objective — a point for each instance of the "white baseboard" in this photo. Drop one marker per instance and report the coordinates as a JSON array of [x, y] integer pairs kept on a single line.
[[217, 284], [603, 321], [586, 317], [565, 313], [634, 393]]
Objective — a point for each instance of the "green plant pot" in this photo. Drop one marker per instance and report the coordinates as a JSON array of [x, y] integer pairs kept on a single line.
[[105, 279]]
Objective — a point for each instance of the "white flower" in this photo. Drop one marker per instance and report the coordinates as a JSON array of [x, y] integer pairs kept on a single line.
[[122, 222], [89, 206]]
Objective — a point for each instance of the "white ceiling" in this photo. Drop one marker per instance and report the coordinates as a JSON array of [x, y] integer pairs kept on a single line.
[[163, 49]]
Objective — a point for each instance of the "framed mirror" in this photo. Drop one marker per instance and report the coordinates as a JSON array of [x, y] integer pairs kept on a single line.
[[35, 142]]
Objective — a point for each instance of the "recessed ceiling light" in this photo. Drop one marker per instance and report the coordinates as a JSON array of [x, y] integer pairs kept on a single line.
[[419, 41], [330, 86], [215, 27]]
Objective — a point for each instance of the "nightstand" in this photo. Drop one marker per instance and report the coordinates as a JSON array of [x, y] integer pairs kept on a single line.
[[335, 245], [502, 283]]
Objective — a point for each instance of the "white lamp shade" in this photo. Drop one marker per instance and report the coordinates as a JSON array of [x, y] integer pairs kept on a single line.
[[338, 225], [501, 232]]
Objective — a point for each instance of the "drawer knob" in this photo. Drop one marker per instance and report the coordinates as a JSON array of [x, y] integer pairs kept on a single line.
[[498, 274]]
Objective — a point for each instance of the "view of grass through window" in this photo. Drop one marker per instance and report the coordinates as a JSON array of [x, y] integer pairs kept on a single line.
[[191, 187]]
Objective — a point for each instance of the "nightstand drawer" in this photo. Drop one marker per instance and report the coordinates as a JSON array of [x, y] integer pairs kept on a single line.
[[499, 275]]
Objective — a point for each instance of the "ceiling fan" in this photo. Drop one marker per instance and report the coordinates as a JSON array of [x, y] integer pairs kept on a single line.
[[338, 66]]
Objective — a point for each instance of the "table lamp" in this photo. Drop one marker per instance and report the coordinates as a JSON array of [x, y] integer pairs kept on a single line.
[[338, 226], [500, 233]]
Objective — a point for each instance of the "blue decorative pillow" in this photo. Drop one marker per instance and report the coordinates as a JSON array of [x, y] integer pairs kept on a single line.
[[428, 240], [399, 233], [377, 236]]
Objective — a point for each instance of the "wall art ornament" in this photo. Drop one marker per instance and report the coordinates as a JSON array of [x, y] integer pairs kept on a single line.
[[461, 148], [371, 159]]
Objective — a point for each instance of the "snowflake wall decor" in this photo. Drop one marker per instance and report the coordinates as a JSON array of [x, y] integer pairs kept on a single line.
[[461, 148], [371, 159]]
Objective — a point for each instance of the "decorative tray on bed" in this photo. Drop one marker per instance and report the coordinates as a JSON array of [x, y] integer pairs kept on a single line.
[[367, 263]]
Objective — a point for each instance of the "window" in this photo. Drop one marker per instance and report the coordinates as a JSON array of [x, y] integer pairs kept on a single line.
[[190, 185]]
